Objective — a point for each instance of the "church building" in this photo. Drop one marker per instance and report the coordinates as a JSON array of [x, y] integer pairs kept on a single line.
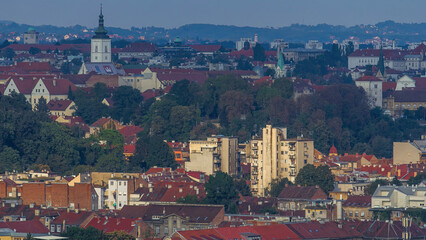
[[100, 53]]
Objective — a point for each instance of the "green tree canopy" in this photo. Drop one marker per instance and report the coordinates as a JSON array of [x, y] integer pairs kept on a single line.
[[310, 175], [276, 187], [221, 189]]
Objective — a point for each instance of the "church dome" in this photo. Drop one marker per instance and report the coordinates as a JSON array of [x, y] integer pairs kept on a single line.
[[333, 150]]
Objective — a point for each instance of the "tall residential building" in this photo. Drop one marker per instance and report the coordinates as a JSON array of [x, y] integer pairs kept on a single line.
[[217, 153], [100, 44], [274, 156], [409, 152]]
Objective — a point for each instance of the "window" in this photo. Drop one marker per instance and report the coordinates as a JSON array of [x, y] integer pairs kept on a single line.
[[282, 152], [52, 228], [119, 183], [96, 48], [362, 214], [356, 214], [112, 183], [157, 230], [58, 228], [305, 161], [124, 183], [106, 49], [166, 230]]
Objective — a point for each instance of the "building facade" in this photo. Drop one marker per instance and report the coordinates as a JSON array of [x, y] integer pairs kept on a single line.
[[273, 156], [100, 44], [217, 153]]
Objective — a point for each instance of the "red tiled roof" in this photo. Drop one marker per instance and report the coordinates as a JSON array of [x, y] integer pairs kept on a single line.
[[206, 48], [317, 230], [299, 192], [130, 130], [33, 227], [59, 86], [139, 47], [158, 170], [369, 79], [358, 201], [131, 148], [112, 224], [246, 53], [9, 182], [72, 218], [388, 86], [59, 105]]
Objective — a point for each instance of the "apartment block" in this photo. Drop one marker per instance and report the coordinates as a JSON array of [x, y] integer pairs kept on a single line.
[[274, 156], [217, 153]]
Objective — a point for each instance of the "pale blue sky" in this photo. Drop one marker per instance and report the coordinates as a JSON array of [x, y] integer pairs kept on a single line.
[[174, 13]]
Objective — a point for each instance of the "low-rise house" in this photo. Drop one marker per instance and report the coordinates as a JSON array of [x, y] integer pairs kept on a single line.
[[298, 197], [64, 108], [166, 219], [399, 197], [357, 208], [70, 219], [272, 232], [135, 227], [20, 229]]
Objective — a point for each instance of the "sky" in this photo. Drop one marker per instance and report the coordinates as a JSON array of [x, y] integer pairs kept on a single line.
[[175, 13]]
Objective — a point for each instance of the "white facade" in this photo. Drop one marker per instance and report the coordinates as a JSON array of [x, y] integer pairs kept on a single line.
[[373, 90], [100, 50], [147, 80], [117, 193], [313, 44], [405, 82], [31, 37], [399, 197]]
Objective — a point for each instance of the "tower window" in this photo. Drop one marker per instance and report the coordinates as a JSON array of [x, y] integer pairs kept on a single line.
[[96, 48], [106, 49]]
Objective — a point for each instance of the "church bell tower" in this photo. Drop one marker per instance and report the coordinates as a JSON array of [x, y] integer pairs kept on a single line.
[[100, 44]]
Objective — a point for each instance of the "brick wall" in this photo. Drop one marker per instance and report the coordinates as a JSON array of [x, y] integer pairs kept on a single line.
[[81, 196], [57, 195], [34, 193]]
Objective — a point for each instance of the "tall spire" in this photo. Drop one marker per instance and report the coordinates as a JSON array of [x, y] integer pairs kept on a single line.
[[101, 32]]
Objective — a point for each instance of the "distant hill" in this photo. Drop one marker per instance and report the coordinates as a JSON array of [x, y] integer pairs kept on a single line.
[[401, 32]]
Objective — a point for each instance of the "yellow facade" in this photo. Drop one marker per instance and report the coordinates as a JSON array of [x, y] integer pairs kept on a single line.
[[275, 157]]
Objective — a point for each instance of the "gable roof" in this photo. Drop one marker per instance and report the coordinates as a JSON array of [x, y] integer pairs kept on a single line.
[[59, 105], [299, 192], [357, 201], [206, 48], [112, 224], [368, 79], [33, 226], [72, 218]]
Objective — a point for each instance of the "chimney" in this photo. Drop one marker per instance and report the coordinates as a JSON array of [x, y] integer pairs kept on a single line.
[[54, 82], [37, 212], [316, 186], [339, 210]]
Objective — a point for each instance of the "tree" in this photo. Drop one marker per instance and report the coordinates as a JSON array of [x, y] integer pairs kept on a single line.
[[417, 179], [126, 101], [242, 187], [276, 187], [234, 105], [119, 235], [113, 138], [34, 50], [221, 189], [396, 182], [310, 175], [29, 236], [258, 52], [42, 110], [152, 151], [191, 199], [370, 189], [90, 233], [8, 53]]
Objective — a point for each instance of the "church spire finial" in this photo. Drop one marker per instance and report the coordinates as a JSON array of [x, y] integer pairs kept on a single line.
[[101, 32]]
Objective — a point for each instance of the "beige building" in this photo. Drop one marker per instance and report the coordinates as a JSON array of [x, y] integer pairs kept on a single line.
[[217, 153], [399, 197], [147, 80], [274, 156], [409, 152]]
